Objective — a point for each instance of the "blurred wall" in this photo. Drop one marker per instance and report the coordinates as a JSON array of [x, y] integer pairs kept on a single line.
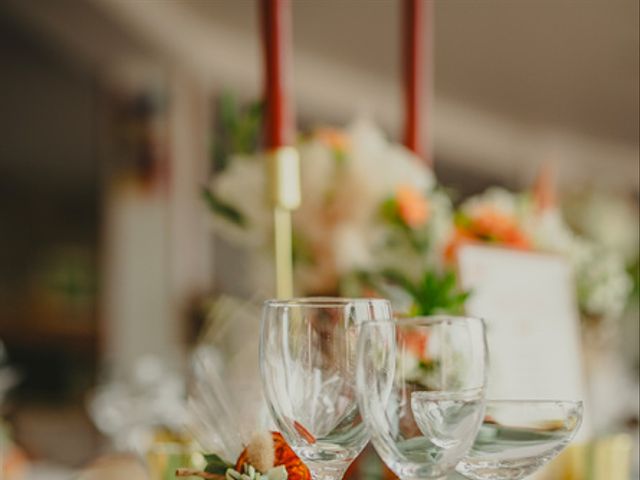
[[49, 212]]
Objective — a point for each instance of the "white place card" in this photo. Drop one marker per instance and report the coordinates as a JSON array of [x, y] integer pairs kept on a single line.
[[533, 330]]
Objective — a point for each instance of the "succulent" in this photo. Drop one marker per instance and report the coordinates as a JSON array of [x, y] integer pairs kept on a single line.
[[250, 473]]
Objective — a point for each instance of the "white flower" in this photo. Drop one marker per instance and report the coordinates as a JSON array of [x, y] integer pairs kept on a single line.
[[408, 366], [603, 284], [608, 220], [498, 199], [383, 165], [243, 186], [550, 233], [338, 227], [353, 248], [318, 172]]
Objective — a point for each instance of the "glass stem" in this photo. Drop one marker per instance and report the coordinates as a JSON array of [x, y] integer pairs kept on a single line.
[[329, 472], [323, 476], [423, 478]]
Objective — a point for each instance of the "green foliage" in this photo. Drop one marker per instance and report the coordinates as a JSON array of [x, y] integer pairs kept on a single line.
[[340, 157], [434, 293], [429, 367], [250, 473], [174, 462], [634, 272], [216, 465], [389, 211], [239, 129], [223, 209], [302, 253], [462, 220], [418, 239]]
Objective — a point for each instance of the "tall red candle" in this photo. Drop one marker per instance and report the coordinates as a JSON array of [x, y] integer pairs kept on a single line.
[[416, 47], [276, 32]]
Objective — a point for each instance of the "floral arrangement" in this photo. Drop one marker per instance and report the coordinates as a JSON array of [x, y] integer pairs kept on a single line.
[[525, 221], [266, 457], [374, 220], [372, 216]]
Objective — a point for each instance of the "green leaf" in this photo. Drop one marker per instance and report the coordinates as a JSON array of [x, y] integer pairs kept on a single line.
[[228, 111], [238, 129], [633, 270], [434, 293], [220, 157], [215, 464], [256, 109], [430, 366], [340, 157], [462, 220], [223, 209], [389, 211], [301, 251]]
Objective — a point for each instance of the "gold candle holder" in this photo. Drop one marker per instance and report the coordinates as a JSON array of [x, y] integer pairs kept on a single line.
[[284, 187]]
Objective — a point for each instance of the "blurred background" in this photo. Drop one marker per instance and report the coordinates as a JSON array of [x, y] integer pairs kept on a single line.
[[108, 116]]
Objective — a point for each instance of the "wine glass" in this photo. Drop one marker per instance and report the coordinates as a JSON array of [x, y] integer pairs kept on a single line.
[[307, 362], [518, 437], [420, 388]]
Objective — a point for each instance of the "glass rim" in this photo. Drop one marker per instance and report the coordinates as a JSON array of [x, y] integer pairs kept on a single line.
[[319, 302], [426, 320]]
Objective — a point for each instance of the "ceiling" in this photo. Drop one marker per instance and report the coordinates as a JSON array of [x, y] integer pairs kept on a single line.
[[564, 64], [517, 83]]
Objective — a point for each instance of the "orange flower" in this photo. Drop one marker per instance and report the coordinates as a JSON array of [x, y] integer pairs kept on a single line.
[[334, 138], [491, 225], [296, 470], [487, 225], [515, 238], [415, 342], [413, 207]]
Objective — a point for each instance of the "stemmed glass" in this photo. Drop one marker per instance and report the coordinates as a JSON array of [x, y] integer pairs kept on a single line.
[[420, 388], [307, 361], [518, 437]]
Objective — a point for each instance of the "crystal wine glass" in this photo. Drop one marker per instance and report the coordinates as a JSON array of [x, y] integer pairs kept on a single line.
[[421, 391], [307, 361], [518, 437]]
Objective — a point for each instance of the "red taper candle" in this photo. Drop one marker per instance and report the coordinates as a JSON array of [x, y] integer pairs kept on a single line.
[[276, 33], [417, 51]]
